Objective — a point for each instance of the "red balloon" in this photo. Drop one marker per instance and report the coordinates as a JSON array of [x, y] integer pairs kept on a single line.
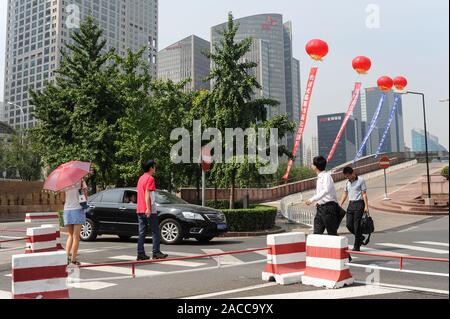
[[317, 49], [400, 83], [362, 64], [385, 83]]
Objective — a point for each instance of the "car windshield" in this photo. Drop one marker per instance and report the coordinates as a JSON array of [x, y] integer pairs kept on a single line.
[[165, 198]]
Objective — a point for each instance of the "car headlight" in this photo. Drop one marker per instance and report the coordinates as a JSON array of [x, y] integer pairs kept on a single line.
[[193, 216]]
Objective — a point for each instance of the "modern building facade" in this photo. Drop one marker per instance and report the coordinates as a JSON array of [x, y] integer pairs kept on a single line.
[[328, 128], [364, 111], [2, 112], [278, 72], [184, 60], [418, 142], [38, 29]]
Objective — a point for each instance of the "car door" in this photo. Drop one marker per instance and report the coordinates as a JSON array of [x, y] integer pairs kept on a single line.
[[127, 218], [106, 211]]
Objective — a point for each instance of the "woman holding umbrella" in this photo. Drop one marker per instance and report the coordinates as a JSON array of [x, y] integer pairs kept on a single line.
[[69, 178]]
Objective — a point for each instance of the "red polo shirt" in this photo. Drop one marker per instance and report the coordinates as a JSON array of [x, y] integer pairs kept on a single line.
[[146, 182]]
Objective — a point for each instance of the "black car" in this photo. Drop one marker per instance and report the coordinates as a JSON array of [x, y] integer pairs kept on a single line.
[[113, 212]]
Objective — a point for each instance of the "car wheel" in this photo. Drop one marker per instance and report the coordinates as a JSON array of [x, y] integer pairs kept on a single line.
[[125, 237], [204, 240], [88, 231], [171, 232]]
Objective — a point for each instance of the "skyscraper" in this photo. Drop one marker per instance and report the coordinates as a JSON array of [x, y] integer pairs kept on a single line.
[[328, 128], [186, 59], [418, 142], [38, 29], [364, 112], [278, 72]]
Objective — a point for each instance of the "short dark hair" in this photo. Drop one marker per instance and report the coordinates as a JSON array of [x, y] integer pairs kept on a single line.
[[348, 171], [148, 165], [320, 162]]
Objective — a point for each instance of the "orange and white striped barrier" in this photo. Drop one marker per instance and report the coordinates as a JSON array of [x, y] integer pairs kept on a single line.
[[326, 262], [42, 218], [41, 240], [59, 245], [286, 259], [40, 276]]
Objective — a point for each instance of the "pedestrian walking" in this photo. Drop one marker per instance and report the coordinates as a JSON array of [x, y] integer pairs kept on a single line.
[[328, 210], [74, 218], [147, 213], [356, 192]]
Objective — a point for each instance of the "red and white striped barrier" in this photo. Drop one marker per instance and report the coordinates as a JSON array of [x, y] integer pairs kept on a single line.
[[40, 276], [286, 259], [326, 259], [41, 240], [42, 218], [59, 245]]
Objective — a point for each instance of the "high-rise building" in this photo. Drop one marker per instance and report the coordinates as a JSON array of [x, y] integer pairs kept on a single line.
[[364, 111], [418, 142], [2, 112], [38, 29], [314, 147], [328, 128], [278, 72], [184, 60]]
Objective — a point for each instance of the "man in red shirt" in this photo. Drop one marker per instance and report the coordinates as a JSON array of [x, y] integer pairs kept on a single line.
[[146, 210]]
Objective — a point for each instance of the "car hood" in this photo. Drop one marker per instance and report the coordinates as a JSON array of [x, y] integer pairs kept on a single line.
[[191, 208]]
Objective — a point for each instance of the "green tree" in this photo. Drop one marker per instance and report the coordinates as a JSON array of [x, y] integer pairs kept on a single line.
[[234, 100], [78, 115]]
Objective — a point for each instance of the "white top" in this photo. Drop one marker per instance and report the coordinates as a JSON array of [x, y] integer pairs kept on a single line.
[[72, 197], [325, 190]]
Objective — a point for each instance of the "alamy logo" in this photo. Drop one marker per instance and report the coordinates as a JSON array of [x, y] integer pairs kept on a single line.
[[262, 148], [373, 20]]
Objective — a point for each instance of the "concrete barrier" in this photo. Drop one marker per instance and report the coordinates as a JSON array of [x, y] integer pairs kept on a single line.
[[42, 218], [286, 259], [326, 262], [42, 239], [40, 276], [59, 244]]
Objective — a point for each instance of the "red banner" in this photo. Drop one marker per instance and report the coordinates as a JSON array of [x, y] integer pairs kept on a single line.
[[347, 118], [303, 118]]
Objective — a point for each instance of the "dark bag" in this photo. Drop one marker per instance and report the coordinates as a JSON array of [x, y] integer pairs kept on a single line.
[[367, 227], [82, 199]]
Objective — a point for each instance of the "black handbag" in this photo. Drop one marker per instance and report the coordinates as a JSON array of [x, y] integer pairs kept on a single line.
[[367, 227]]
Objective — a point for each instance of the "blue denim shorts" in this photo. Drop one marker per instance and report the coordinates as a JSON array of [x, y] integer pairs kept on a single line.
[[74, 217]]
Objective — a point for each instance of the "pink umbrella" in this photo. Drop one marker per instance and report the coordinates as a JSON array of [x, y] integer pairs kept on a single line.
[[67, 175]]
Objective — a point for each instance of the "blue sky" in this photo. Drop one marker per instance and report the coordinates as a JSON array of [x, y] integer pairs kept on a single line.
[[412, 41]]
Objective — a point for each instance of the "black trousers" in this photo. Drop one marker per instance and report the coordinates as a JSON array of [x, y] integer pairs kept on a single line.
[[355, 214], [327, 218]]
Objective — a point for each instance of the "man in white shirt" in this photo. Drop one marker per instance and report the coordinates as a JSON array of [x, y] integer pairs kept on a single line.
[[328, 210]]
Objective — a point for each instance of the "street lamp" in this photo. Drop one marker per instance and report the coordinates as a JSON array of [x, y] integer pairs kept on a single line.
[[21, 112], [426, 140]]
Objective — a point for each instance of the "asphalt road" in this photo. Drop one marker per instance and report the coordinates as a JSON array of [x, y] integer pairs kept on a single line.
[[240, 276]]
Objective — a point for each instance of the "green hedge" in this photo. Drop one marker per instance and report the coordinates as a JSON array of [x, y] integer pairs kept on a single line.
[[223, 204], [257, 218], [445, 172]]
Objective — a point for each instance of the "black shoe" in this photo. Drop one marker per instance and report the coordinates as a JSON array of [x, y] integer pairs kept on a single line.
[[357, 249], [143, 257], [160, 255]]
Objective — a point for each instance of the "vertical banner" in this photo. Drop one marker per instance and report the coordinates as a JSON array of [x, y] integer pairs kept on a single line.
[[355, 97], [388, 126], [303, 118], [371, 128]]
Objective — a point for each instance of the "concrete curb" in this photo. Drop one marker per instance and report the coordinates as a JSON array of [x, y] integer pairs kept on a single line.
[[278, 230]]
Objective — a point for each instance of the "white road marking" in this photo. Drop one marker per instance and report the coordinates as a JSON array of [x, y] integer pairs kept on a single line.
[[351, 292], [431, 243], [91, 251], [227, 292], [93, 285], [5, 295], [409, 229], [435, 291], [10, 237], [374, 251], [416, 248], [180, 263], [123, 270], [224, 260], [9, 275], [260, 252]]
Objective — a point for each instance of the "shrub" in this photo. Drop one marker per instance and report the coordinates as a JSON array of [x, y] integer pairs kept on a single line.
[[223, 204], [444, 172], [257, 218]]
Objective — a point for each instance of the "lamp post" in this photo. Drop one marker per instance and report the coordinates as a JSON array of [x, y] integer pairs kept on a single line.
[[21, 112], [429, 201]]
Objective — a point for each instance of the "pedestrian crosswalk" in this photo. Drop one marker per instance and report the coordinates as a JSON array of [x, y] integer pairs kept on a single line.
[[415, 248]]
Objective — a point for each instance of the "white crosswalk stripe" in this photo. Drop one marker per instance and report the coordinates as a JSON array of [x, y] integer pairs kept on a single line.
[[181, 263], [5, 295], [123, 270], [431, 243], [375, 251], [224, 260], [93, 285], [415, 248]]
